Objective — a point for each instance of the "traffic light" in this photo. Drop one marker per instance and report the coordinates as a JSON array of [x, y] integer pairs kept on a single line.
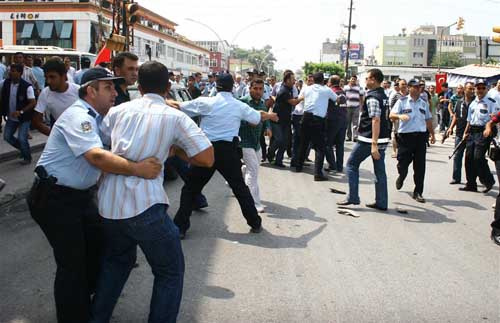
[[131, 13], [496, 38], [460, 23]]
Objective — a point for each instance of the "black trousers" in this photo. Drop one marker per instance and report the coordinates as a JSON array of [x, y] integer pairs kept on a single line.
[[228, 163], [312, 130], [412, 147], [335, 138], [495, 225], [70, 220], [476, 164]]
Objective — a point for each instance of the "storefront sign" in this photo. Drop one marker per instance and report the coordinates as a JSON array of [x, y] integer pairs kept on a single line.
[[24, 15]]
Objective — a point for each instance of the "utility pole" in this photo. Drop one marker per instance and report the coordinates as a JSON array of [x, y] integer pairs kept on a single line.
[[348, 42]]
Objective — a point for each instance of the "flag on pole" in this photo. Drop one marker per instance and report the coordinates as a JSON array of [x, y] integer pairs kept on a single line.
[[104, 56]]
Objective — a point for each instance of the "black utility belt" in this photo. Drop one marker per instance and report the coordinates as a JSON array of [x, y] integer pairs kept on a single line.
[[64, 189], [477, 128], [311, 115]]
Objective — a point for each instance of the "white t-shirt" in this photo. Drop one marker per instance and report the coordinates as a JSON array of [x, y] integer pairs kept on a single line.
[[13, 97], [55, 103]]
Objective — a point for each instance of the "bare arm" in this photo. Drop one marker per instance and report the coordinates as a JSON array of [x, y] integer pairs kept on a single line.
[[39, 125], [430, 128], [110, 163], [375, 135]]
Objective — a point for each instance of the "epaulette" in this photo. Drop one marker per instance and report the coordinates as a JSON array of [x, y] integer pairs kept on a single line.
[[492, 100]]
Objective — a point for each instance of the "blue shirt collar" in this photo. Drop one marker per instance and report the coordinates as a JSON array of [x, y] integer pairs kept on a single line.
[[93, 112]]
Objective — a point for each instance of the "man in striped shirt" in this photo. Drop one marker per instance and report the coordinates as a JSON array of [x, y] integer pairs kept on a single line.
[[354, 96], [134, 209]]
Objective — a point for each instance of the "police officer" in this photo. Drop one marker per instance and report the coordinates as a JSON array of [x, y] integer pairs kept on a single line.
[[414, 120], [480, 111], [316, 98], [61, 199], [221, 116]]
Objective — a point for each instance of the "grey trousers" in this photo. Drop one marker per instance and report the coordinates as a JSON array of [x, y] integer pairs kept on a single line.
[[352, 123]]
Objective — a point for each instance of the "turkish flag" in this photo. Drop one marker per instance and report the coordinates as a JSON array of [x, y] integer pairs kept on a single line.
[[104, 56], [440, 79]]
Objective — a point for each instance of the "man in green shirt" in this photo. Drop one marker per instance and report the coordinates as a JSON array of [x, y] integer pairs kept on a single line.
[[250, 141], [434, 105]]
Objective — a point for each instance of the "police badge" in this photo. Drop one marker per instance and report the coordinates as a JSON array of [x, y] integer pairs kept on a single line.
[[86, 126]]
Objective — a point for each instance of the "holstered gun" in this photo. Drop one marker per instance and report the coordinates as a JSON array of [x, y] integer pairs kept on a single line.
[[39, 192]]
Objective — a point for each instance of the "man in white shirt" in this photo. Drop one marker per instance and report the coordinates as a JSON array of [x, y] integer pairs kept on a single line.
[[56, 97], [85, 66], [354, 96], [312, 130], [494, 93], [134, 209], [28, 75], [70, 70]]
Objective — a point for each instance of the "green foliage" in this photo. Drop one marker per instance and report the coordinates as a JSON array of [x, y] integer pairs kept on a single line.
[[257, 57], [491, 61], [328, 68], [448, 60]]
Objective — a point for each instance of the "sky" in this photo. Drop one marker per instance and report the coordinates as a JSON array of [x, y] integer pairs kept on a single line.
[[299, 27]]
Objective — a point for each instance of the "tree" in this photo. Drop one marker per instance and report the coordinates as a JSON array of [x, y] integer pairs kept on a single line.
[[257, 57], [327, 68], [448, 60]]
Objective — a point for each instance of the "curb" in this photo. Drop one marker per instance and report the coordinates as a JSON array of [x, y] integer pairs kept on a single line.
[[13, 154]]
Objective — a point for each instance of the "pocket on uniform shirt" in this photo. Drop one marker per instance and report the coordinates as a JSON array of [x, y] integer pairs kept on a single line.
[[483, 111], [422, 111], [406, 111]]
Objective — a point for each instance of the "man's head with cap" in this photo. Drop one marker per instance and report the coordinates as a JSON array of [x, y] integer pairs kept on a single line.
[[98, 89], [481, 88], [224, 82], [414, 88]]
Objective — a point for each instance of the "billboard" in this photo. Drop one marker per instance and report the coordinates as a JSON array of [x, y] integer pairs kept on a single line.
[[356, 51]]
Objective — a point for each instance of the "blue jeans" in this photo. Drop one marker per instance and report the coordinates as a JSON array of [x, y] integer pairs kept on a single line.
[[458, 160], [158, 237], [359, 153], [335, 138], [21, 142], [182, 168]]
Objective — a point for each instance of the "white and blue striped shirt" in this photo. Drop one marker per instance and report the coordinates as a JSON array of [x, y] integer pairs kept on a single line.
[[142, 128]]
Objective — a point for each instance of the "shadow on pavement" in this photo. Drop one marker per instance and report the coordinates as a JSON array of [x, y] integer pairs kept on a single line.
[[418, 214], [217, 292], [279, 211], [442, 204], [266, 239]]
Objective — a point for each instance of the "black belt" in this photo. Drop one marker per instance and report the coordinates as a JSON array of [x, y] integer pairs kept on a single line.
[[310, 114]]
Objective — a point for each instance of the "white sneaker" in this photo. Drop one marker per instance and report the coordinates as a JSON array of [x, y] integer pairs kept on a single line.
[[260, 209]]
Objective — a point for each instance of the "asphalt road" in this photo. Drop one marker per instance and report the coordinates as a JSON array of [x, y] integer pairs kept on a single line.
[[310, 264]]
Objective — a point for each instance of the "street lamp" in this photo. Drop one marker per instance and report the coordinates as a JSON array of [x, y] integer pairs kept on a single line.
[[248, 26], [460, 25], [265, 57]]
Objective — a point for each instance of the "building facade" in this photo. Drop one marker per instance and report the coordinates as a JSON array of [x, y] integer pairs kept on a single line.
[[220, 52], [81, 25]]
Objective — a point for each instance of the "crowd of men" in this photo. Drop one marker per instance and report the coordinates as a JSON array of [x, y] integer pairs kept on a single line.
[[97, 134]]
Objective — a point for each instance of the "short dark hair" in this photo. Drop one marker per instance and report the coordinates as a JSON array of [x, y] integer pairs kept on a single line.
[[119, 59], [288, 75], [256, 81], [153, 77], [356, 77], [54, 65], [19, 53], [197, 74], [17, 67], [319, 78], [37, 61], [469, 82], [445, 84], [376, 74], [85, 63], [190, 78]]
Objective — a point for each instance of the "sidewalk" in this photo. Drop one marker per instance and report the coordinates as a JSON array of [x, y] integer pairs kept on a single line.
[[7, 152]]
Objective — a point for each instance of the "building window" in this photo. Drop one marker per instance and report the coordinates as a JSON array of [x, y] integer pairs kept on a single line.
[[418, 55], [213, 63], [390, 42], [45, 33], [180, 56], [401, 42], [171, 52]]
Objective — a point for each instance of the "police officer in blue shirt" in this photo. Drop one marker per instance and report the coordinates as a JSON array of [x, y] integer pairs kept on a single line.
[[415, 120], [480, 112], [62, 198], [221, 117]]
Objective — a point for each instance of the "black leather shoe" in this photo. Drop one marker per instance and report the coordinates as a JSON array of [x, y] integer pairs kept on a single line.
[[256, 229], [468, 189], [320, 178], [418, 197], [488, 188], [399, 183], [495, 237], [454, 182], [375, 206], [298, 169], [279, 165], [346, 203]]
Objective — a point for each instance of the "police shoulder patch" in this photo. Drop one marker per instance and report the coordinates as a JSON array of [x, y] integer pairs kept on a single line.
[[86, 126]]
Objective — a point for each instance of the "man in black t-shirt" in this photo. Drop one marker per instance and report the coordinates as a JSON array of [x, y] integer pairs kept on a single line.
[[281, 129], [460, 111]]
